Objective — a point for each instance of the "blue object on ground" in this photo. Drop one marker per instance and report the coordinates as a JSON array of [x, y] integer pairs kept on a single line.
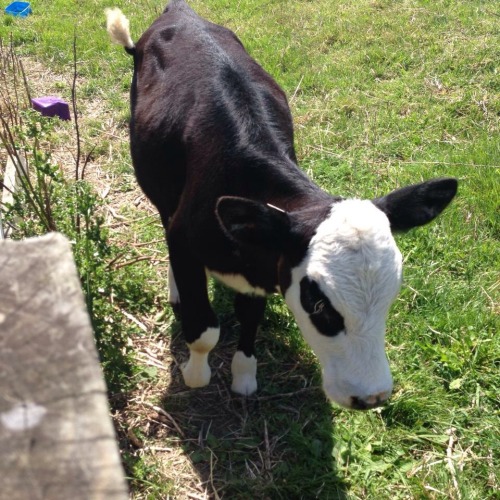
[[20, 9]]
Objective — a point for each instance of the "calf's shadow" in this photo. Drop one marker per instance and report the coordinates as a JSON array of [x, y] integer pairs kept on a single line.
[[274, 444]]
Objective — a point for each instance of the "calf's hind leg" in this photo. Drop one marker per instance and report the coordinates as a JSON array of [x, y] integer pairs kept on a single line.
[[249, 312], [173, 292]]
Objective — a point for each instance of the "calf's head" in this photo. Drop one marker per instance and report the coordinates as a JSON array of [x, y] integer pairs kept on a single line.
[[339, 271]]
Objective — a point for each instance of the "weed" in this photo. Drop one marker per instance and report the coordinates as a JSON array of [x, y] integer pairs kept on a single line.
[[48, 201]]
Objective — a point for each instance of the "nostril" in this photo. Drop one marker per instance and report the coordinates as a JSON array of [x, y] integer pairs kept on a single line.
[[378, 399], [374, 401], [358, 404]]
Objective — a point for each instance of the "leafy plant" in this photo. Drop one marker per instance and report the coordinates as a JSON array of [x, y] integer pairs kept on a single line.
[[50, 200]]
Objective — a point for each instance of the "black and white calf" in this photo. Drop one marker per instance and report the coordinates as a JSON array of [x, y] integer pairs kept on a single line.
[[212, 145]]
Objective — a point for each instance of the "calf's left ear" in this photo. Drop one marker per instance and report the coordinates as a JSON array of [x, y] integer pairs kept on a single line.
[[417, 204], [252, 223]]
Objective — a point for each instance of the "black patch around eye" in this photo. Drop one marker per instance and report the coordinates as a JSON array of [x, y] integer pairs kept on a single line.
[[323, 315]]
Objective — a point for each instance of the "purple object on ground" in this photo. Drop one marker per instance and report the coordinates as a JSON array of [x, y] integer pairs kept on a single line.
[[51, 106]]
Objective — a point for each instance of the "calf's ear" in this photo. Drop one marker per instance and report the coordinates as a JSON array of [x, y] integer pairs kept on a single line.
[[417, 204], [253, 223]]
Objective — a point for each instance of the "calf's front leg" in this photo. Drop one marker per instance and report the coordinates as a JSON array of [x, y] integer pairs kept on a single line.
[[249, 312], [196, 371], [199, 323]]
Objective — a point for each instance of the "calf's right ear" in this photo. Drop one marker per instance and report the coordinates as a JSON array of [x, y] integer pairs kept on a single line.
[[252, 223], [417, 204]]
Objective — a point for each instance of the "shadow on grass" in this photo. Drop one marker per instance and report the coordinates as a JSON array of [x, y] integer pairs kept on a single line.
[[275, 444]]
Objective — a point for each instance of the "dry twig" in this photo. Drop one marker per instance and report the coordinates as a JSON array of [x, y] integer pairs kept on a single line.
[[449, 460], [161, 411]]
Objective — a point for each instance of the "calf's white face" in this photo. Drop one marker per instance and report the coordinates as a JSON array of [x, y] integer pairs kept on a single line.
[[340, 295], [341, 290]]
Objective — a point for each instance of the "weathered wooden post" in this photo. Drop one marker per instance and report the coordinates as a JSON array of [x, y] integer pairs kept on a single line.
[[56, 436]]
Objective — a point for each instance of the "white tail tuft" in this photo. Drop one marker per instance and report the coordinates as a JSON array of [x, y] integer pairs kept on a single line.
[[118, 27]]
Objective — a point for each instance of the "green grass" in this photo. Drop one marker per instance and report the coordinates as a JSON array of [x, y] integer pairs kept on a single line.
[[383, 93]]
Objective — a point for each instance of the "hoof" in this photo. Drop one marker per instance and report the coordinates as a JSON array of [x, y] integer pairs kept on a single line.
[[244, 370], [196, 372], [244, 385]]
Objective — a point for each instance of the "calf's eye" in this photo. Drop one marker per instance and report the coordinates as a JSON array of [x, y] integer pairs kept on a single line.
[[323, 315]]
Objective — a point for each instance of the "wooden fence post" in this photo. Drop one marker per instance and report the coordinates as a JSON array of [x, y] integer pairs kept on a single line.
[[56, 437]]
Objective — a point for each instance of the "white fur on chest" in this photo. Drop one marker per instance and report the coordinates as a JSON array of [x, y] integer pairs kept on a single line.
[[237, 282]]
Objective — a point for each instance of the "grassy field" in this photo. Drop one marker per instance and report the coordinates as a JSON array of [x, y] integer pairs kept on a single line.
[[383, 93]]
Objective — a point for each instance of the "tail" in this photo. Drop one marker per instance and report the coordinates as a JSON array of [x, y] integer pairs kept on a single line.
[[118, 28]]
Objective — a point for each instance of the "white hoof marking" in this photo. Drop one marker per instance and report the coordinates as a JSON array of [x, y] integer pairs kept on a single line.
[[244, 370], [196, 372]]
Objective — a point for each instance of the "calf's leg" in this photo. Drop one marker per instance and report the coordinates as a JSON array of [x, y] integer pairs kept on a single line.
[[199, 323], [173, 292], [249, 312]]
